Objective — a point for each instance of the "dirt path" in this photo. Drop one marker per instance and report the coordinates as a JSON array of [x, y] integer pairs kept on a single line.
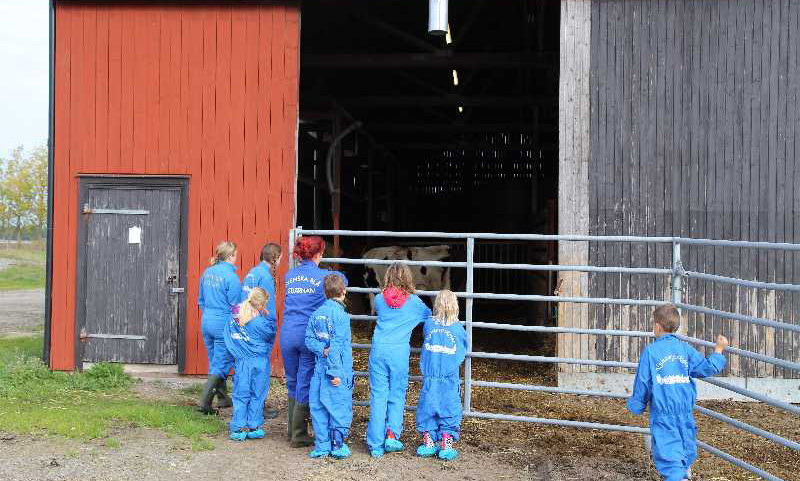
[[21, 312]]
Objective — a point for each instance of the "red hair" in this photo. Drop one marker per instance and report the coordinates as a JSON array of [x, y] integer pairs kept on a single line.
[[306, 248]]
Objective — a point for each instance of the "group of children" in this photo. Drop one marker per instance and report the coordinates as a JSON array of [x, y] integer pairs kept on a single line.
[[664, 378]]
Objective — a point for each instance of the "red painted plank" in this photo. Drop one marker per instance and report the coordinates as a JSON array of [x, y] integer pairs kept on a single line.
[[140, 120], [114, 130], [176, 107], [100, 158], [88, 76], [222, 169], [236, 171], [254, 233], [165, 94], [127, 90], [263, 102]]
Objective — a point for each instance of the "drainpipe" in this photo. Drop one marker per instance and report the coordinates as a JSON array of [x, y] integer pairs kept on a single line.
[[437, 17], [48, 291]]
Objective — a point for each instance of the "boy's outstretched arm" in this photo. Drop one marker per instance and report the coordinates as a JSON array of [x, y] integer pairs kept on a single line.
[[637, 403], [700, 366]]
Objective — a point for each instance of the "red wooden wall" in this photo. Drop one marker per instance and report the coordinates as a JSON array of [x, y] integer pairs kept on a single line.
[[205, 91]]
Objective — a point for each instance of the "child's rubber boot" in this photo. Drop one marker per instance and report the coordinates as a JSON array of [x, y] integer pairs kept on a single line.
[[300, 437], [256, 434], [210, 388], [290, 416], [391, 444], [447, 452], [318, 454], [223, 400], [376, 453], [339, 449], [428, 447], [239, 436]]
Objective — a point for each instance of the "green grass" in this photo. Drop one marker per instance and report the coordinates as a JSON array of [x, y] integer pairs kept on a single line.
[[27, 270], [35, 400]]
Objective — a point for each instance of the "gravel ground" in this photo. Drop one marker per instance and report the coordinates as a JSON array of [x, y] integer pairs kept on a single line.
[[21, 312]]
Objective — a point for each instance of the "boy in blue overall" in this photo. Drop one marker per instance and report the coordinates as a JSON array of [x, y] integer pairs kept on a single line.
[[249, 338], [664, 379], [439, 406], [331, 392]]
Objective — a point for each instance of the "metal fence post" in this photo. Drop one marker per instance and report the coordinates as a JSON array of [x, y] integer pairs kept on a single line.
[[677, 273], [292, 240], [470, 289]]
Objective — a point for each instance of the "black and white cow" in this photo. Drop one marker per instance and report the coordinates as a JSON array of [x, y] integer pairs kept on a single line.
[[425, 278]]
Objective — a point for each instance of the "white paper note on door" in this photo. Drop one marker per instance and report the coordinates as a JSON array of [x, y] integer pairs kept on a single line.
[[135, 235]]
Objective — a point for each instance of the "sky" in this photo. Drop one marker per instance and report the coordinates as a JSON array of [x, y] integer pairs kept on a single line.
[[24, 37]]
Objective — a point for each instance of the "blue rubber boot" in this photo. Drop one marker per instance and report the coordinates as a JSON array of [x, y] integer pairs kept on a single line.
[[391, 444], [428, 447], [340, 449], [257, 434], [239, 436], [447, 453]]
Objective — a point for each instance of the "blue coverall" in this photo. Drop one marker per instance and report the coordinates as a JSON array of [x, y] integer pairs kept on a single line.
[[250, 346], [439, 406], [331, 406], [388, 366], [220, 290], [304, 294], [261, 276], [665, 380]]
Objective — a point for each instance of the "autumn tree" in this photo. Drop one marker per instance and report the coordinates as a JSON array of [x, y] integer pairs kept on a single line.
[[23, 192]]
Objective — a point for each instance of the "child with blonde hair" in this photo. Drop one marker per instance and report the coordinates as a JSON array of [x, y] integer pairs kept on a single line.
[[439, 408], [249, 337], [399, 311]]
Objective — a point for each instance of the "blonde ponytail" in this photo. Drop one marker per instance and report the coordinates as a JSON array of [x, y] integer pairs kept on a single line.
[[445, 307], [252, 307], [223, 251]]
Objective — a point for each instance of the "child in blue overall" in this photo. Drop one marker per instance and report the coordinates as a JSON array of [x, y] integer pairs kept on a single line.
[[665, 381], [399, 311], [263, 275], [220, 291], [439, 406], [331, 393], [249, 338]]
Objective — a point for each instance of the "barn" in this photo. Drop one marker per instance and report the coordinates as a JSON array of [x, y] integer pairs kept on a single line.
[[175, 125]]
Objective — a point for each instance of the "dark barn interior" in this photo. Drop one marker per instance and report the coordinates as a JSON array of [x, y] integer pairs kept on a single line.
[[404, 131]]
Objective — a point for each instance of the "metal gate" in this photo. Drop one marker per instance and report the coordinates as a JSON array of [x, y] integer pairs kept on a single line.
[[676, 273]]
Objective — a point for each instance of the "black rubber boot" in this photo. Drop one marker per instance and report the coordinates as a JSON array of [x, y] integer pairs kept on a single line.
[[223, 400], [204, 406], [300, 437], [270, 413], [290, 416]]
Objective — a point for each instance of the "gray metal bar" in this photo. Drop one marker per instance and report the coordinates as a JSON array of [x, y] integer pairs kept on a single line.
[[738, 462], [742, 282], [740, 317], [677, 268], [557, 390], [382, 262], [753, 395], [415, 350], [88, 210], [469, 301], [751, 429], [548, 359], [559, 422], [116, 336], [561, 330], [740, 352], [751, 245], [366, 374]]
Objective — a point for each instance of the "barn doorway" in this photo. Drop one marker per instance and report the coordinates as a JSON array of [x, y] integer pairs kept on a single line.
[[404, 131], [131, 270]]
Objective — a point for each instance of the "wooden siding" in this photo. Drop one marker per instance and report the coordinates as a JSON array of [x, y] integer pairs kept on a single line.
[[204, 91], [695, 123]]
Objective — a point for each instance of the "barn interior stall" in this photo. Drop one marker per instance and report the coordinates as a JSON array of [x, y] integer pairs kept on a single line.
[[401, 130]]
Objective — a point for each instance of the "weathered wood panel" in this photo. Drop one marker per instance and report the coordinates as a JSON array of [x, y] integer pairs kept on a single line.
[[694, 125], [149, 89]]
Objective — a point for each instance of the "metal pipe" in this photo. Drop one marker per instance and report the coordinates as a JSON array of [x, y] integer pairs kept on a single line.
[[750, 429], [559, 422], [743, 282], [549, 359], [468, 316], [740, 317], [738, 462], [753, 395], [677, 270], [740, 352], [437, 17]]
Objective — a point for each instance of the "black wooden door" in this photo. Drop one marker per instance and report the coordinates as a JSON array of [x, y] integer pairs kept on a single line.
[[131, 274]]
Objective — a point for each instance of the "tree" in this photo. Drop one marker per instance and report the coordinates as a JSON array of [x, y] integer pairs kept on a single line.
[[23, 192]]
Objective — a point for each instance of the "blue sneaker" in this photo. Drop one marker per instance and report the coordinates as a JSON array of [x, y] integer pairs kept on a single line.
[[318, 454], [428, 447], [341, 452], [447, 453], [239, 436], [257, 434], [392, 445], [376, 453]]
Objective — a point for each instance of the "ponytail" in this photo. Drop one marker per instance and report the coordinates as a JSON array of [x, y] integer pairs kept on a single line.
[[255, 303], [270, 254], [224, 250]]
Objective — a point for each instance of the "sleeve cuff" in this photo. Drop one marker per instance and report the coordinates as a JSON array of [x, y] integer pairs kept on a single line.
[[635, 406]]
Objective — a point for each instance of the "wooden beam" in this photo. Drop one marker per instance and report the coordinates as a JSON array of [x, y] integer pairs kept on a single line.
[[484, 146], [456, 128], [443, 60], [496, 102]]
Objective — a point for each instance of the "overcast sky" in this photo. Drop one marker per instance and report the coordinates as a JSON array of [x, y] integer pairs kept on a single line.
[[23, 73]]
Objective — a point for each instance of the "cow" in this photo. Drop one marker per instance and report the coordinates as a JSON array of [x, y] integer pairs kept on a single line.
[[425, 278]]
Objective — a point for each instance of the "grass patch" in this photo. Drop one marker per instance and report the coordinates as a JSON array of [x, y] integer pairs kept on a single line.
[[27, 270], [35, 400]]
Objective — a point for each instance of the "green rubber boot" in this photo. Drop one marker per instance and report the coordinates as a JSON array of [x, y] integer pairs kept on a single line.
[[300, 437], [290, 416], [204, 406]]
